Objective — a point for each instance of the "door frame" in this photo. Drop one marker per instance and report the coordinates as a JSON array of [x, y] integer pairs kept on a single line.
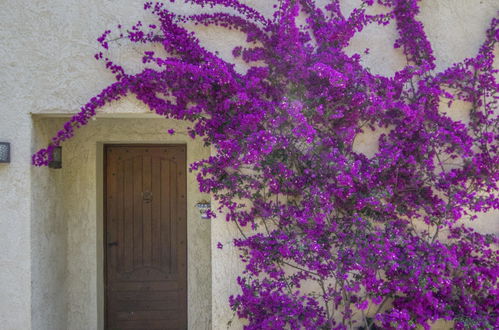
[[105, 147]]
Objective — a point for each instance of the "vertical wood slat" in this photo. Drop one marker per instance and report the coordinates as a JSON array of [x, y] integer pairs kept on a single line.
[[137, 211], [173, 218], [112, 195], [121, 217], [118, 200], [128, 216], [165, 222], [147, 209], [156, 209]]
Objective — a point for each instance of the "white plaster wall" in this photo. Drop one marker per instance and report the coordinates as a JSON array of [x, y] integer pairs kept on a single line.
[[48, 243], [15, 212], [15, 217], [46, 67]]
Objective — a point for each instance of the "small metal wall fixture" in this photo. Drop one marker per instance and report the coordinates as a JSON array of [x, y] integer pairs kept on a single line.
[[147, 197], [56, 161], [204, 207], [4, 152]]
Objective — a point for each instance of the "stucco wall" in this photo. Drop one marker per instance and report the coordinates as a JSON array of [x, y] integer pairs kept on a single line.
[[48, 242], [47, 67]]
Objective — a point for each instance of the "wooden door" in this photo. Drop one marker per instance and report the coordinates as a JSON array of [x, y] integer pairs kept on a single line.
[[146, 237]]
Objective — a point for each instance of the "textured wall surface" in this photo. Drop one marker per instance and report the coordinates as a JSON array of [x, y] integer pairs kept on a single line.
[[46, 67], [48, 242]]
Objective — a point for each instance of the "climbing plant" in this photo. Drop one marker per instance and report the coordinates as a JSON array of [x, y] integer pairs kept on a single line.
[[331, 238]]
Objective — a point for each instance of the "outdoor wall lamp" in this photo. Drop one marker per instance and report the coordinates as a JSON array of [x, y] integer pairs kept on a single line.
[[203, 208], [56, 161], [4, 152]]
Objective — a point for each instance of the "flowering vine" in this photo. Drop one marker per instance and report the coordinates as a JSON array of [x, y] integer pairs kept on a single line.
[[331, 238]]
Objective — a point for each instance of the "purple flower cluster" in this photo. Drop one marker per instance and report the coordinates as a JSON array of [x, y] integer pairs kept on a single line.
[[338, 240]]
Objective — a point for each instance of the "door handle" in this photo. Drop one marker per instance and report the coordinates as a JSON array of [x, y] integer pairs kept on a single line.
[[112, 244]]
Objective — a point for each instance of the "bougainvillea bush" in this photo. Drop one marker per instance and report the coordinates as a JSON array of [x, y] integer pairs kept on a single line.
[[331, 238]]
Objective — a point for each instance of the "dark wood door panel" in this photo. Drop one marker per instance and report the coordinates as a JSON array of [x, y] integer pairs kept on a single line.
[[146, 237], [151, 304], [148, 325], [144, 286]]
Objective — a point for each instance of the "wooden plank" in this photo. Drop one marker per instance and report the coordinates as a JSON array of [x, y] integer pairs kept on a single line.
[[127, 302], [144, 273], [149, 325], [137, 211], [166, 201], [173, 217], [144, 286], [146, 315], [143, 305], [147, 209], [144, 295], [128, 218], [112, 195], [117, 305], [120, 248], [156, 208]]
